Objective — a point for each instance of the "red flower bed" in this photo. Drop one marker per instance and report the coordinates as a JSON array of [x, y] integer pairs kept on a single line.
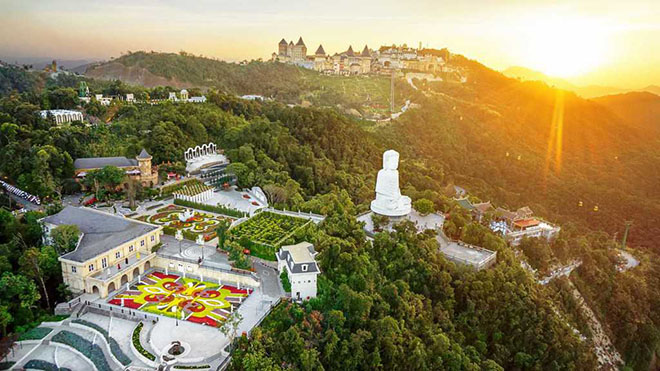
[[255, 203], [246, 197], [163, 275]]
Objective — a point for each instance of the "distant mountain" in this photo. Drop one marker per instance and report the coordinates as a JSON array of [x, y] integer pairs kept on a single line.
[[641, 108], [655, 89], [38, 63], [590, 91]]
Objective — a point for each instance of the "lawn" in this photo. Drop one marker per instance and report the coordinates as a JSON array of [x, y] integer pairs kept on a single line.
[[268, 228]]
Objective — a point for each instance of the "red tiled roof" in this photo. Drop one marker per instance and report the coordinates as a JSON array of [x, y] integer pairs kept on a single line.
[[524, 223]]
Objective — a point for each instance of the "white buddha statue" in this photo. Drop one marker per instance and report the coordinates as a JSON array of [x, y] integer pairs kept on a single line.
[[389, 201]]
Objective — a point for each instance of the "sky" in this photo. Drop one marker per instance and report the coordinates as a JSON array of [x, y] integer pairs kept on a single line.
[[587, 42]]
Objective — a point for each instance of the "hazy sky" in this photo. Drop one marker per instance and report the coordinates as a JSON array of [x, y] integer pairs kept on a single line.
[[588, 42]]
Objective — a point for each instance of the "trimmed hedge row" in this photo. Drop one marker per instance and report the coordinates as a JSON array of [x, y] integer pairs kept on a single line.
[[92, 351], [171, 231], [36, 333], [114, 346], [214, 209], [6, 365], [138, 345], [38, 364], [192, 367]]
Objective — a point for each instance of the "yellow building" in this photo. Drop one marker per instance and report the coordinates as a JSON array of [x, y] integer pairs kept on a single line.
[[111, 251]]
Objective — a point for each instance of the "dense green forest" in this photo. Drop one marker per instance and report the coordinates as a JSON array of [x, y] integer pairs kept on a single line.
[[395, 303]]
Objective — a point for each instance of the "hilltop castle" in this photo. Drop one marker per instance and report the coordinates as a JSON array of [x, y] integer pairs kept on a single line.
[[291, 52], [382, 61]]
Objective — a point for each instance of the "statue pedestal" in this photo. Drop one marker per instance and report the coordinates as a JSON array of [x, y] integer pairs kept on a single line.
[[379, 208]]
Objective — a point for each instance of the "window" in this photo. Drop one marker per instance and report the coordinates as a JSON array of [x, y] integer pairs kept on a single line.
[[104, 262], [130, 248], [142, 243], [118, 254], [153, 238], [304, 268], [73, 269], [91, 267]]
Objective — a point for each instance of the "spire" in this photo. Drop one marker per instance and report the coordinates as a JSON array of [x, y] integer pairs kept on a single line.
[[365, 52], [144, 154], [300, 42], [282, 42], [320, 50], [350, 52]]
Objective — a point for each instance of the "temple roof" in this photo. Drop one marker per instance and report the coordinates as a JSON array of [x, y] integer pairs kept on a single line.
[[282, 42], [320, 50], [144, 154], [300, 42]]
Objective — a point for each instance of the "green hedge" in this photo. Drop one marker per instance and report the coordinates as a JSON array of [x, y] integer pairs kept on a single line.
[[171, 231], [138, 345], [114, 346], [6, 365], [92, 351], [191, 367], [286, 284], [36, 333], [214, 209], [38, 364]]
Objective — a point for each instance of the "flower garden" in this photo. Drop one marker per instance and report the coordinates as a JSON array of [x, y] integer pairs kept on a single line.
[[268, 228], [184, 298], [198, 222]]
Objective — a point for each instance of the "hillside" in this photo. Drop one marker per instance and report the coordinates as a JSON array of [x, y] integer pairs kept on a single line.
[[641, 108], [513, 142], [184, 71]]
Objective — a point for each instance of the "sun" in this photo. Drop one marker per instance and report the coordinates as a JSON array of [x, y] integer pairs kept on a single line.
[[565, 47]]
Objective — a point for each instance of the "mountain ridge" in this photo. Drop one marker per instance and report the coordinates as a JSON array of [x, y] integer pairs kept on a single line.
[[589, 91]]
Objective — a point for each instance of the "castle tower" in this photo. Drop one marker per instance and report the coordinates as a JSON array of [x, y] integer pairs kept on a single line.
[[281, 47], [144, 162], [289, 49]]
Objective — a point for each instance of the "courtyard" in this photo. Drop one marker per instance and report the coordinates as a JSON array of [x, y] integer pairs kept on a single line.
[[183, 298]]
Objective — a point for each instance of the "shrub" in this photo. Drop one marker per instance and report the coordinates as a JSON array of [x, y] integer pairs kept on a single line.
[[92, 351], [138, 345], [38, 364], [36, 333], [6, 365], [114, 346], [191, 367], [214, 209], [156, 247], [286, 284]]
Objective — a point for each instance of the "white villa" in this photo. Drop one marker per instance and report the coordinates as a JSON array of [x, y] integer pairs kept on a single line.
[[62, 115], [299, 263]]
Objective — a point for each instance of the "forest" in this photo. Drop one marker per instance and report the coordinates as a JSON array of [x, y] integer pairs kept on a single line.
[[396, 302]]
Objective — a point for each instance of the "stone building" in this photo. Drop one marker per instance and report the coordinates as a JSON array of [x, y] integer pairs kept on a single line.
[[139, 169]]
